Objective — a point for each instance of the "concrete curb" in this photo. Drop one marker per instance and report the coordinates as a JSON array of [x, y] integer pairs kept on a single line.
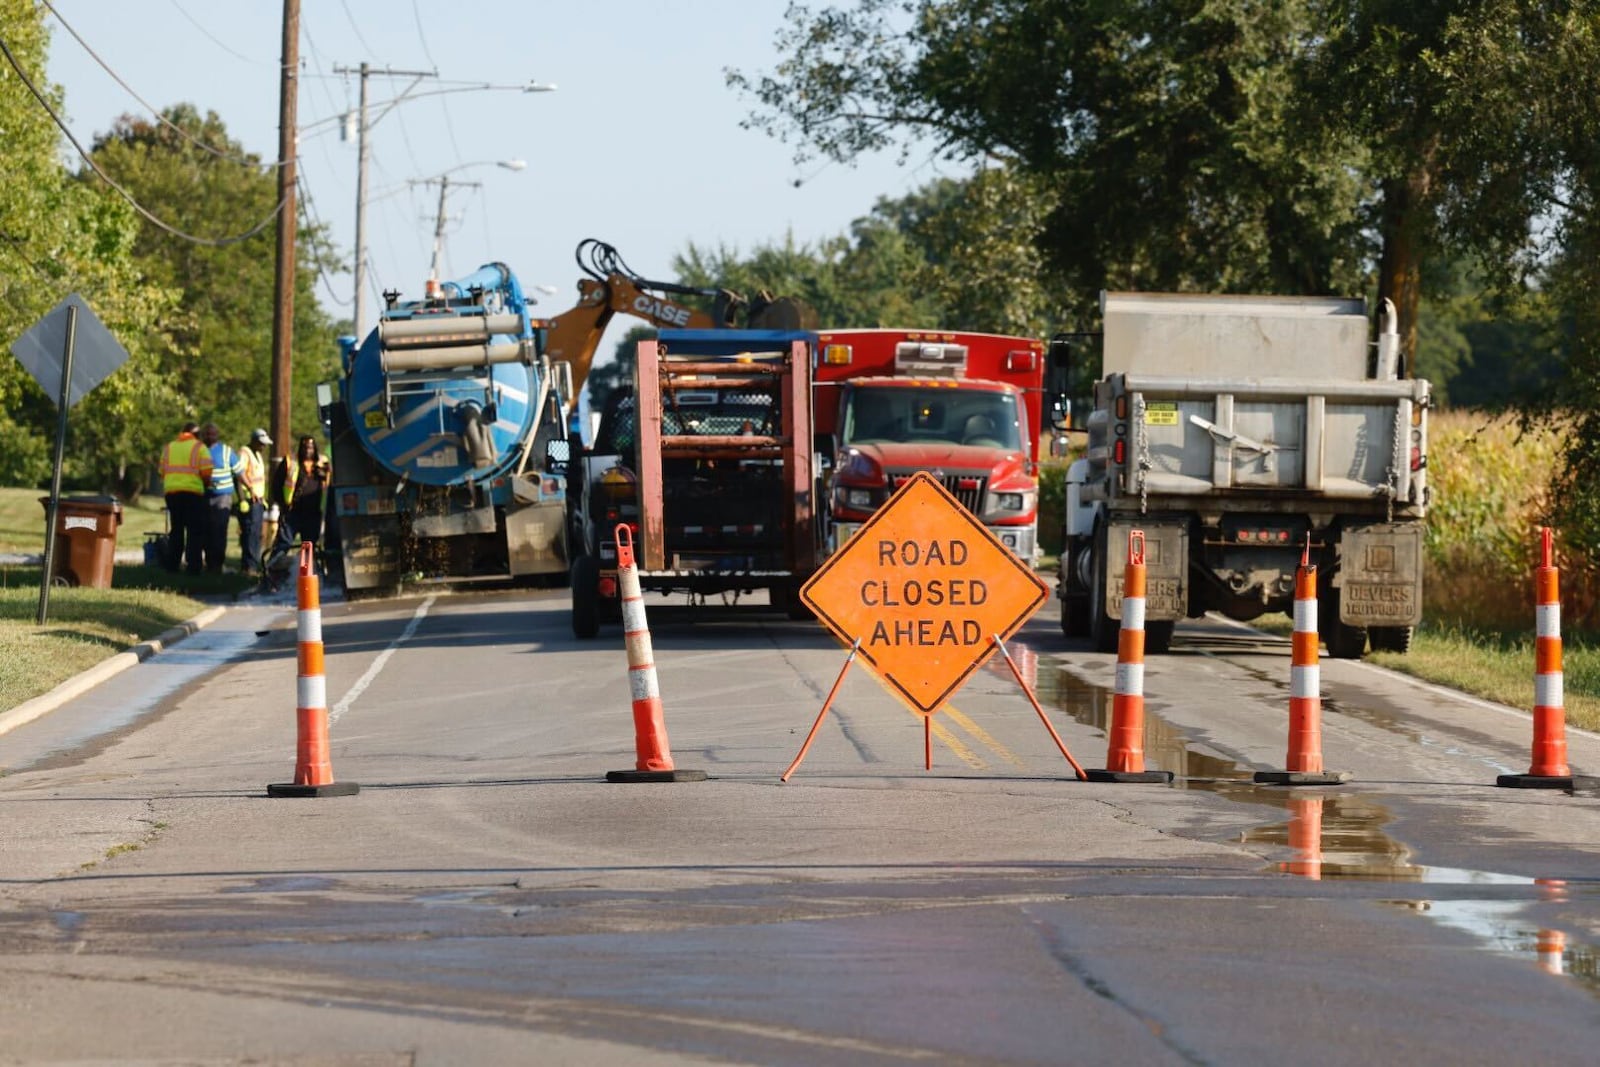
[[79, 684]]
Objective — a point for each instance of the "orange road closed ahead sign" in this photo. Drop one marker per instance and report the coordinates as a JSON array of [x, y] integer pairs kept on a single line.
[[925, 589]]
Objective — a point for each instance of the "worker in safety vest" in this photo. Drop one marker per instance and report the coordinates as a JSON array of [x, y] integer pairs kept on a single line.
[[185, 474], [251, 497], [225, 468]]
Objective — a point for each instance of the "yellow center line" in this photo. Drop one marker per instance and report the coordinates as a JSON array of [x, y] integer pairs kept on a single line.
[[983, 737], [957, 747], [948, 739]]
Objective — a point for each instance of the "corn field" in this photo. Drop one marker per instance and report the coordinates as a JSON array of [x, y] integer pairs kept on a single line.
[[1490, 482]]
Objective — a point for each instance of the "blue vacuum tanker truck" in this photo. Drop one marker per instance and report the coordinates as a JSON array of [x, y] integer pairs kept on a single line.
[[449, 439]]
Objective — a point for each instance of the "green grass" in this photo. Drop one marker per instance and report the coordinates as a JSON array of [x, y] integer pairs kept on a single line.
[[1499, 667], [84, 627], [22, 520], [1492, 664]]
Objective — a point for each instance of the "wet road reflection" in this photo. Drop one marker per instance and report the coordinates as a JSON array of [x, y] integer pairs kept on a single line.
[[1329, 835]]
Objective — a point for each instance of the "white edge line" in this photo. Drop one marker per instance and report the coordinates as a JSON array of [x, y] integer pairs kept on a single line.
[[366, 679], [1430, 687]]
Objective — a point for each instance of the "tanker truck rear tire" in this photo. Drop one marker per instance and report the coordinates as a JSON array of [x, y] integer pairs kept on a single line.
[[585, 597]]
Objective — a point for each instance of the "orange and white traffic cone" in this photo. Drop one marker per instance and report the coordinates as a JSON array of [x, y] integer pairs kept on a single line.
[[1125, 739], [654, 763], [1305, 691], [313, 772], [1549, 769]]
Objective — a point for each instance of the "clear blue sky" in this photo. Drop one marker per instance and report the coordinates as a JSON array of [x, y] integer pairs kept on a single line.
[[640, 145]]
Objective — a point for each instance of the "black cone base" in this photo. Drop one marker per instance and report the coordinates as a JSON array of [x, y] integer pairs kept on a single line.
[[1159, 777], [1547, 781], [1302, 777], [332, 789], [655, 776]]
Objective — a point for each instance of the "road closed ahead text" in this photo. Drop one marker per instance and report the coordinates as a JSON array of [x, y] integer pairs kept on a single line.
[[911, 576], [925, 592]]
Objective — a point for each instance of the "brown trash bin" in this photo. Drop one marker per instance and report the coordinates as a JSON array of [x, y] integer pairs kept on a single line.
[[86, 539]]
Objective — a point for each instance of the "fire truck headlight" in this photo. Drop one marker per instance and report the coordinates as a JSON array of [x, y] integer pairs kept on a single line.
[[1011, 503], [858, 498]]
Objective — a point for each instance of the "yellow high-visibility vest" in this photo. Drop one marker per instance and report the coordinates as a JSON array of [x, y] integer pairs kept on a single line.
[[185, 465]]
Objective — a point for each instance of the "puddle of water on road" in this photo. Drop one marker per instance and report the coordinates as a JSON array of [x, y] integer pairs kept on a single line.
[[1383, 720], [1338, 835], [67, 922], [1165, 746], [284, 884]]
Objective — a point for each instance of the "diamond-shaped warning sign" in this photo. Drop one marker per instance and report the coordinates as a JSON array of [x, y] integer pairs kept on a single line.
[[926, 589]]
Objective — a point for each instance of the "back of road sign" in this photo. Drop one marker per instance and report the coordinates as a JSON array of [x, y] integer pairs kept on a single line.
[[926, 589], [96, 352]]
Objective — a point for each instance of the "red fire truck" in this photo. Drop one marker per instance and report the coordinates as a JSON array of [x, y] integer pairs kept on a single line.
[[964, 407]]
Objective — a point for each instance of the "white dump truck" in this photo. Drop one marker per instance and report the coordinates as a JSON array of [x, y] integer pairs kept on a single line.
[[1237, 432]]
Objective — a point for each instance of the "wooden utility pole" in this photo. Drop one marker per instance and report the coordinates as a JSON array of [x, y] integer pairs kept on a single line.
[[283, 286]]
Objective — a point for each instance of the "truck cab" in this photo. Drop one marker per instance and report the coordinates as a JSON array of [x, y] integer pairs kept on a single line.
[[965, 407]]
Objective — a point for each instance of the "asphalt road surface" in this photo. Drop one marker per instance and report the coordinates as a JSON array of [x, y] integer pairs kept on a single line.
[[488, 897]]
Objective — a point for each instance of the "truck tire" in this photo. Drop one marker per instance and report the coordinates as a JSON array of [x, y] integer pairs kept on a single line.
[[1390, 638], [786, 598], [1103, 629], [1343, 641], [1074, 598], [1158, 636], [585, 597]]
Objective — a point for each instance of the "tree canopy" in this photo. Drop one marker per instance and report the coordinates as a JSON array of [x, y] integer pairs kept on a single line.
[[1278, 146], [59, 236], [194, 316]]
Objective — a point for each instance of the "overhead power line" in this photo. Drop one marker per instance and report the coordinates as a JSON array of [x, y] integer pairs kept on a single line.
[[140, 208], [148, 106], [213, 37]]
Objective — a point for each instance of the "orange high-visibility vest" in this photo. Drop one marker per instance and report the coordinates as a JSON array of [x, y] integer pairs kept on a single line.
[[185, 465]]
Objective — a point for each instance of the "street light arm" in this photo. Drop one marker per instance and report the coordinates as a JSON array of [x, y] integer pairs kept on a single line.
[[389, 105]]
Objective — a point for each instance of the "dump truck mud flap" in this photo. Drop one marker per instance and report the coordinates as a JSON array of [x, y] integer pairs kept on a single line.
[[1166, 558], [1380, 575]]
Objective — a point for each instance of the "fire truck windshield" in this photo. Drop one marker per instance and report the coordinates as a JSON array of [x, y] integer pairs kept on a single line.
[[979, 418]]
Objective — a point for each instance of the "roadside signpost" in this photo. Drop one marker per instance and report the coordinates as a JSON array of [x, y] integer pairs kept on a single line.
[[68, 352], [925, 594]]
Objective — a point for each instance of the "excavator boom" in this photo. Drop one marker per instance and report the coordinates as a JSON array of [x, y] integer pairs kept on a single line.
[[574, 335], [612, 287]]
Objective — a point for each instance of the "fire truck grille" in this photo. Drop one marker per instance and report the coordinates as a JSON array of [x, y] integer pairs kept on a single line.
[[968, 489]]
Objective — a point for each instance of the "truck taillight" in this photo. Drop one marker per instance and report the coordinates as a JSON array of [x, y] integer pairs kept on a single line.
[[1418, 460], [1119, 451], [1122, 407]]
